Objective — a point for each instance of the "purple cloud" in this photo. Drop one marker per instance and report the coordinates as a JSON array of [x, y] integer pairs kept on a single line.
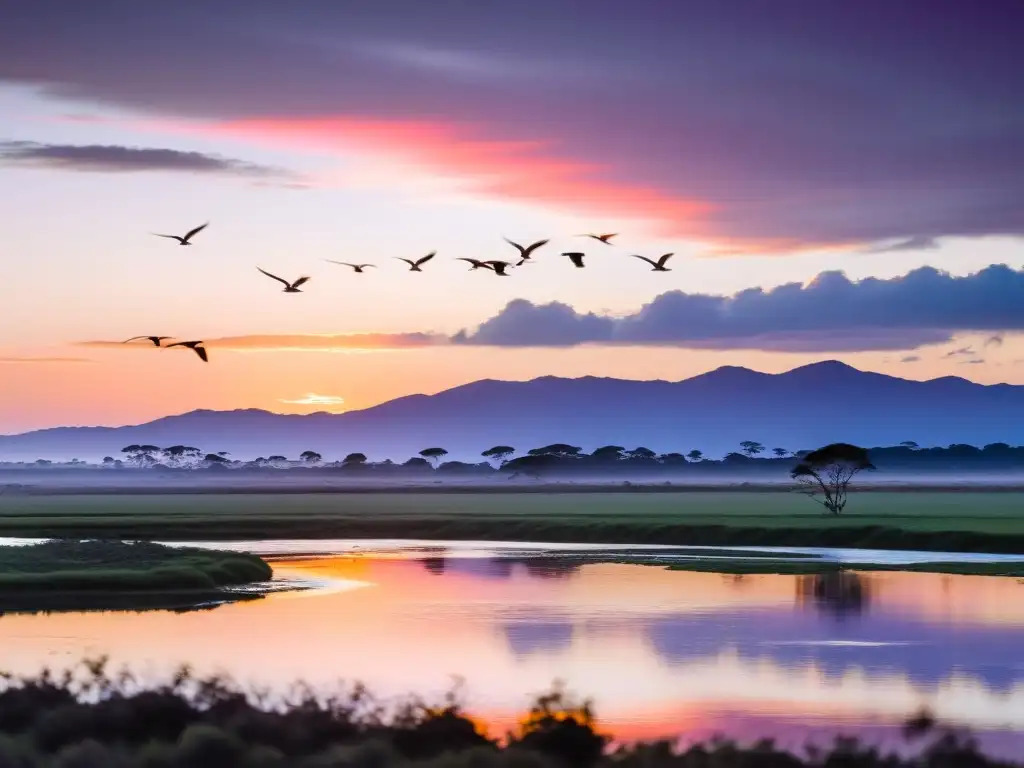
[[829, 314], [118, 159], [796, 123]]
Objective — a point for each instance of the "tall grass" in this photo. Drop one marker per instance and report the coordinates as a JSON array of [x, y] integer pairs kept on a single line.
[[87, 718]]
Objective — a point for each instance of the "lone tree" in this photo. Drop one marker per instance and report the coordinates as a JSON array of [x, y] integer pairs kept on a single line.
[[751, 448], [695, 455], [499, 454], [433, 454], [310, 457], [828, 471], [354, 459], [781, 452]]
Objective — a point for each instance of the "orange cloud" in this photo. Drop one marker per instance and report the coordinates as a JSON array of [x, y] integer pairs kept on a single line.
[[342, 342], [516, 170]]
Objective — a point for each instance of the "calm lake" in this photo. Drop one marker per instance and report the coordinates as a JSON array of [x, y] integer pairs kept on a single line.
[[661, 653]]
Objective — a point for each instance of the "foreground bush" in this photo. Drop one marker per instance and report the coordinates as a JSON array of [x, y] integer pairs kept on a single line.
[[88, 719]]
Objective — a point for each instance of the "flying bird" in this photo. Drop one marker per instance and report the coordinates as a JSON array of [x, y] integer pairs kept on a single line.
[[475, 263], [524, 253], [357, 267], [499, 267], [288, 287], [414, 266], [155, 339], [188, 236], [195, 346], [576, 258], [603, 238], [659, 265]]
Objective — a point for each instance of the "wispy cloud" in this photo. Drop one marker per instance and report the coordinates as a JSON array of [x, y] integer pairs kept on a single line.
[[911, 359], [994, 341], [100, 158], [313, 399], [32, 360], [301, 342], [961, 352], [905, 244]]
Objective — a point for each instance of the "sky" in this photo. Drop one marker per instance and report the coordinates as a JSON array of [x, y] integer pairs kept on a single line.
[[835, 181]]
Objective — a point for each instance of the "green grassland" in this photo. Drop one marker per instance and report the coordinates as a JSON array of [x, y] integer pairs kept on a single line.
[[970, 521], [106, 574]]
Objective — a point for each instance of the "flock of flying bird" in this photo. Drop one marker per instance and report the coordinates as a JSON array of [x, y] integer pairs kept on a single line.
[[497, 266]]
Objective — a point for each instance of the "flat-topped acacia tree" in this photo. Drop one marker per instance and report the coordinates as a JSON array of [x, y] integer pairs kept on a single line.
[[433, 454], [825, 474]]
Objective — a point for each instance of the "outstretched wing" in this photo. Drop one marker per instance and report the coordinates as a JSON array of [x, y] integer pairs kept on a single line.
[[575, 257], [664, 259], [517, 246], [652, 262], [364, 266], [279, 279], [170, 237], [426, 258], [534, 246], [300, 281], [136, 338], [196, 231], [201, 351], [410, 262]]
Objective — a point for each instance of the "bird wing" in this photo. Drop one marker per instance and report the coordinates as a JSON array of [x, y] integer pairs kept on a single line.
[[300, 281], [606, 237], [426, 258], [342, 263], [364, 266], [135, 338], [471, 261], [172, 237], [494, 262], [534, 246], [196, 231], [652, 262], [201, 351], [575, 257], [410, 262], [279, 279], [517, 246], [664, 259]]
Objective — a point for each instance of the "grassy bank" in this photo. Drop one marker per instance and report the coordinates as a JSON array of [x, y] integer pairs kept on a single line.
[[966, 522], [92, 719], [106, 574]]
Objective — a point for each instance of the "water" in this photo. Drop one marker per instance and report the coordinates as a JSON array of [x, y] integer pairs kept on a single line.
[[661, 653]]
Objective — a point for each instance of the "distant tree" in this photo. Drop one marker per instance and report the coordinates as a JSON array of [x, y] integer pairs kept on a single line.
[[43, 462], [997, 448], [108, 461], [141, 455], [277, 461], [499, 454], [310, 457], [734, 457], [910, 444], [433, 454], [354, 459], [533, 464], [181, 456], [556, 449], [215, 458], [751, 448], [695, 455], [828, 472], [608, 453], [417, 463], [780, 452], [641, 453], [670, 459]]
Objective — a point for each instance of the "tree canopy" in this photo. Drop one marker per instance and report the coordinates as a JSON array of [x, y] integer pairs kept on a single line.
[[828, 471]]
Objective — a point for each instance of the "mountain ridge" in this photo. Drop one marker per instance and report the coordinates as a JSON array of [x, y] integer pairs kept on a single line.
[[800, 408]]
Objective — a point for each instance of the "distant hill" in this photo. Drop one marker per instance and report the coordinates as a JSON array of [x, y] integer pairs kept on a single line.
[[802, 408]]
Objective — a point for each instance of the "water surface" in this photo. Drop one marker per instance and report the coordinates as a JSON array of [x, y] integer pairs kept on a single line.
[[661, 653]]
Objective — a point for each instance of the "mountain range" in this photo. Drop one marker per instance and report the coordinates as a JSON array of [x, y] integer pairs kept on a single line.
[[802, 408]]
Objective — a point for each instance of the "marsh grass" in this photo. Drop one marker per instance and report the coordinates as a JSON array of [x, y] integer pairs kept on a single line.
[[62, 574], [87, 718]]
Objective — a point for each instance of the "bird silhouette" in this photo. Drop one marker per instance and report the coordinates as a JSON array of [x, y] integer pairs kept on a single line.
[[603, 238], [524, 253], [288, 287], [188, 236], [414, 266], [499, 267], [357, 267], [195, 346], [659, 265], [576, 258], [475, 263], [155, 339]]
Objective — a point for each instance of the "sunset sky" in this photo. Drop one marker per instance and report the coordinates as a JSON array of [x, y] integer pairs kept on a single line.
[[836, 180]]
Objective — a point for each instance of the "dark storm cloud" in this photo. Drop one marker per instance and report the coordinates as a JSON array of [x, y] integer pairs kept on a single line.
[[118, 159], [830, 314], [797, 121]]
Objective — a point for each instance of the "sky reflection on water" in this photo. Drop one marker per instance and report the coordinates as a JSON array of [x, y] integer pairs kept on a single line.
[[661, 653]]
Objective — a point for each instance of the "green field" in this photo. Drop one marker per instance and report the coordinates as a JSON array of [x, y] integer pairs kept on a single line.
[[954, 521]]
